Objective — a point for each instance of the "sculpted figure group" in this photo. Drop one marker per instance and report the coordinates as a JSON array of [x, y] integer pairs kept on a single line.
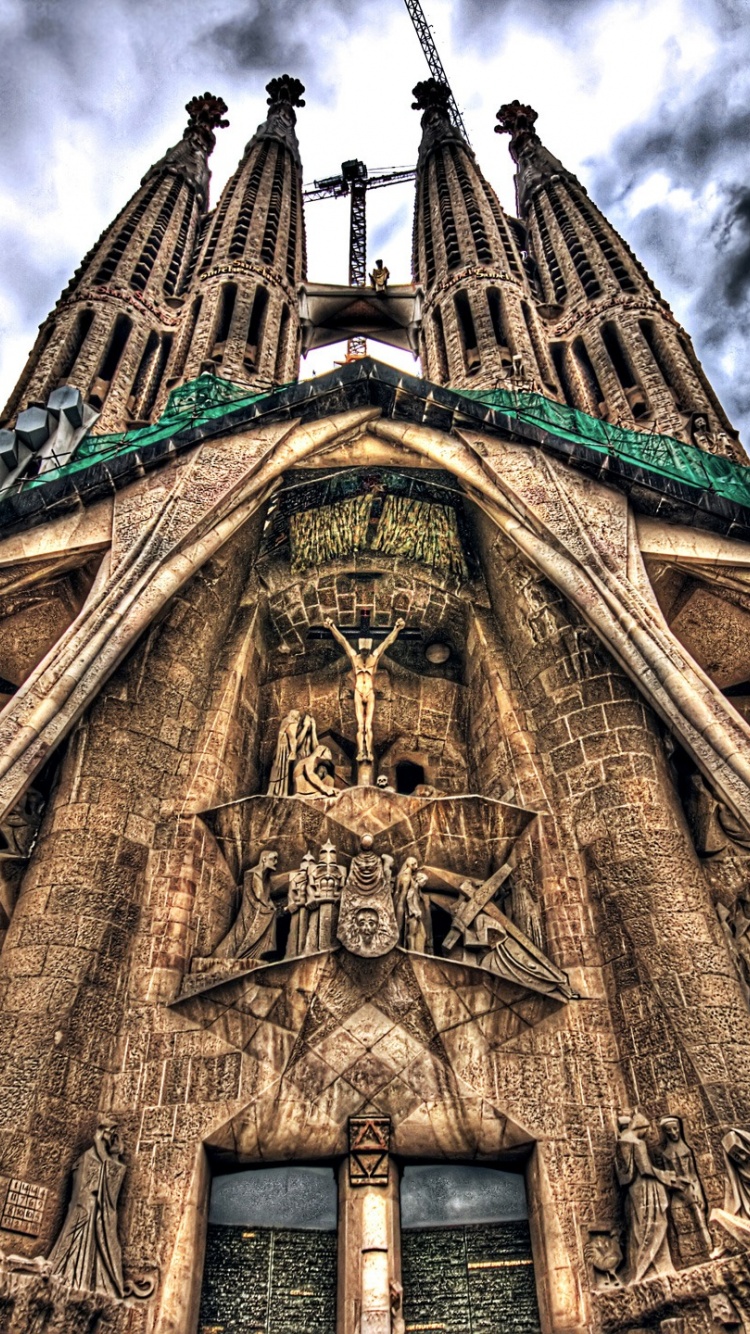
[[370, 907], [653, 1181]]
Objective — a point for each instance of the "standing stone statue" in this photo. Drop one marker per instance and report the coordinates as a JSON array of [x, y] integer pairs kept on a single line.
[[734, 1217], [413, 908], [324, 886], [646, 1204], [365, 664], [297, 738], [296, 906], [253, 932], [87, 1252], [677, 1157]]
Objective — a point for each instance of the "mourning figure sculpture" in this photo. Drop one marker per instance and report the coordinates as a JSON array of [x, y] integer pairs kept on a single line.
[[312, 775], [678, 1158], [297, 738], [646, 1203], [253, 932], [87, 1251]]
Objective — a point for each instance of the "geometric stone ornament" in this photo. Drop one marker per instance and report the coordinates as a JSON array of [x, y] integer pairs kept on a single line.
[[369, 1140], [23, 1208]]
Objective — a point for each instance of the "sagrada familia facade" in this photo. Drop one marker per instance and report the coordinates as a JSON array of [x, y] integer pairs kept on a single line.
[[374, 777]]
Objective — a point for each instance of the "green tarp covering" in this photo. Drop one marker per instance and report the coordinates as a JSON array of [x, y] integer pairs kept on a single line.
[[209, 397]]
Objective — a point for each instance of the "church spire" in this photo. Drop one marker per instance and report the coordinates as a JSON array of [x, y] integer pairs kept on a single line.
[[241, 319], [480, 328], [111, 332], [618, 350]]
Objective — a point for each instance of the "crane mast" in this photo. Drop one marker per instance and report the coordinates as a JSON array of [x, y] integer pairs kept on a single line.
[[435, 64]]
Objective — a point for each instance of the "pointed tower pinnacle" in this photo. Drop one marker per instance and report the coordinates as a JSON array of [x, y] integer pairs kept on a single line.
[[241, 319], [111, 333], [480, 327], [618, 350]]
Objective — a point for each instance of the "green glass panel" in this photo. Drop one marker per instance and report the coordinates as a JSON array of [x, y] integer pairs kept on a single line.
[[268, 1281], [470, 1280]]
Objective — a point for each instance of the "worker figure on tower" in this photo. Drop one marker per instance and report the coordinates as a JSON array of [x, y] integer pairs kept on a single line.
[[379, 276]]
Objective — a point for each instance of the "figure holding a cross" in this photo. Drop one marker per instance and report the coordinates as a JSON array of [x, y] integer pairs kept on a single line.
[[364, 663]]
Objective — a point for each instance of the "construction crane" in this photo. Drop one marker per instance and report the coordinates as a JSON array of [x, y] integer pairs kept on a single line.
[[435, 64], [355, 181]]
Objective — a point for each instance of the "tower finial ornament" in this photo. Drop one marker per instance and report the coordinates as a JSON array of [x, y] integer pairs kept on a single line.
[[518, 121], [285, 90], [206, 112], [432, 96]]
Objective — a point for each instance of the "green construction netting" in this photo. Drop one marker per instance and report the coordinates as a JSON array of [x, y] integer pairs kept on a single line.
[[209, 397], [199, 401], [658, 453]]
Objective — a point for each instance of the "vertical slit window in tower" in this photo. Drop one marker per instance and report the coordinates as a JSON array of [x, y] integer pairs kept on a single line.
[[153, 243], [255, 329], [198, 239], [589, 280], [73, 346], [540, 348], [429, 248], [142, 374], [440, 347], [445, 206], [476, 223], [227, 300], [502, 227], [186, 336], [291, 245], [171, 282], [117, 249], [704, 383], [472, 360], [559, 358], [110, 361], [630, 386], [273, 217], [559, 286], [598, 230], [597, 401], [662, 359], [244, 217], [495, 303], [282, 346], [218, 223], [157, 375]]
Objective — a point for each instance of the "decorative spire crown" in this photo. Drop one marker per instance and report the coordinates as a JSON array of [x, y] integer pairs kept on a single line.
[[518, 121], [206, 114], [433, 98], [286, 92]]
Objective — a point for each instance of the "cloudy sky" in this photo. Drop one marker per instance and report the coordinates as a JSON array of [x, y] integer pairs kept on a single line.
[[648, 101]]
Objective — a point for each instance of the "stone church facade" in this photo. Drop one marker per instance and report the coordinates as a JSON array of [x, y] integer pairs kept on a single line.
[[374, 776]]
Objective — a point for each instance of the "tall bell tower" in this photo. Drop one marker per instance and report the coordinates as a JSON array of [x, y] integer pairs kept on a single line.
[[618, 350], [111, 333], [480, 326], [240, 319]]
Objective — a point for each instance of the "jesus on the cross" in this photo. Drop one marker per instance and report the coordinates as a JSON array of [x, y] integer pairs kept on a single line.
[[364, 663]]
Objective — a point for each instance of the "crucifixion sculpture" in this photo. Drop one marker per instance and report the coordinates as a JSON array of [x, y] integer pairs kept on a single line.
[[364, 660]]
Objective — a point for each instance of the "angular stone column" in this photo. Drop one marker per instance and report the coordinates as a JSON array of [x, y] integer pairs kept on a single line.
[[369, 1230]]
